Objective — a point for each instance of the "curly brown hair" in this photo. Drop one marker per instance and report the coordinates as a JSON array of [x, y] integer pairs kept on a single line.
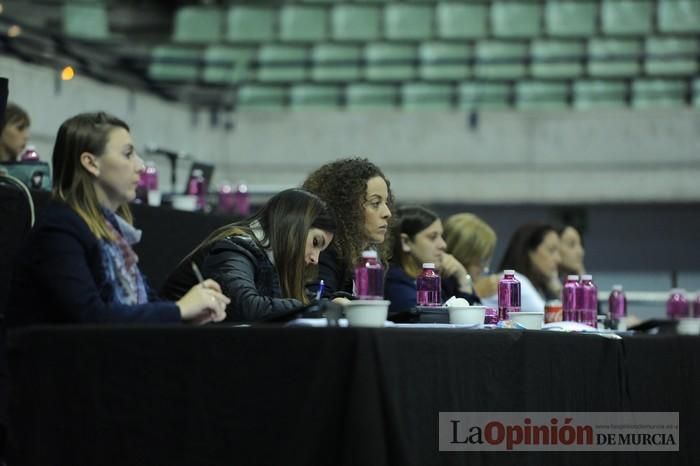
[[343, 185]]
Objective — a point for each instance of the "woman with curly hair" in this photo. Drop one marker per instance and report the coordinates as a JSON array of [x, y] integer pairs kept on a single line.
[[360, 194]]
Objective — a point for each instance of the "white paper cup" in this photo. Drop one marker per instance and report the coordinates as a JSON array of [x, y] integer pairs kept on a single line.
[[469, 315], [529, 320], [689, 326], [186, 202], [366, 312], [154, 198]]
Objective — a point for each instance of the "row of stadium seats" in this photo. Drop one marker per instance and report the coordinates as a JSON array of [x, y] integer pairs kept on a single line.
[[488, 59], [410, 21], [583, 94]]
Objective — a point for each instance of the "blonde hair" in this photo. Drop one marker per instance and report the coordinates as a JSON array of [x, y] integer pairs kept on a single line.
[[470, 239], [72, 183]]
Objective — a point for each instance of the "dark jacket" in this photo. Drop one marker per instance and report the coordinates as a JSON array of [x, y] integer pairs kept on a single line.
[[59, 278], [245, 274], [336, 275], [400, 289]]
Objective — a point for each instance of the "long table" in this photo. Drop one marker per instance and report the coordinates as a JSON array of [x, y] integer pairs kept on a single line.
[[325, 396]]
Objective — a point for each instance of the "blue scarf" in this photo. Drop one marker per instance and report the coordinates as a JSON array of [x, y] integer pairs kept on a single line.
[[120, 262]]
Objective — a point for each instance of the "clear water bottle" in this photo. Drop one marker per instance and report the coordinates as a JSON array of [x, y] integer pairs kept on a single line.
[[196, 187], [569, 298], [242, 199], [369, 277], [429, 287], [589, 305], [696, 305], [677, 304], [227, 202], [617, 305], [508, 295]]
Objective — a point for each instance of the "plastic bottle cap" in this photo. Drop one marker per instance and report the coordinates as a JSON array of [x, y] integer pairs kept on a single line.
[[369, 254], [587, 277], [572, 277], [509, 272], [617, 287], [428, 265]]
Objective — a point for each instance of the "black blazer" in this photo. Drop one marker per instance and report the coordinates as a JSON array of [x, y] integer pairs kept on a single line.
[[59, 278]]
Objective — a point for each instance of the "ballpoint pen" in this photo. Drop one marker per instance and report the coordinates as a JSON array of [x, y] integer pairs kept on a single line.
[[198, 274], [319, 293]]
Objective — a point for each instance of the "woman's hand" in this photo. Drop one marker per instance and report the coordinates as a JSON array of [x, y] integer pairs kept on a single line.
[[204, 303], [451, 267], [486, 285]]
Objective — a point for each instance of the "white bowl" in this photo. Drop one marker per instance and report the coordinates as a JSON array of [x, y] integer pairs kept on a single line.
[[529, 320], [467, 315], [367, 312]]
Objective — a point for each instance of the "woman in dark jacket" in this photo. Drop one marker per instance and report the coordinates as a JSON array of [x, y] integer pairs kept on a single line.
[[417, 239], [78, 265], [264, 261]]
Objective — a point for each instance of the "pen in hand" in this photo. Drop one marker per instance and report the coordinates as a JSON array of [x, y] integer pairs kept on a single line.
[[321, 287], [198, 274]]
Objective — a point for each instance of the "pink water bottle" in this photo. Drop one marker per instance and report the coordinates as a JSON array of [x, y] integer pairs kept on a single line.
[[508, 295], [227, 202], [696, 305], [369, 277], [677, 304], [617, 305], [569, 294], [429, 287], [589, 305], [195, 187], [29, 155]]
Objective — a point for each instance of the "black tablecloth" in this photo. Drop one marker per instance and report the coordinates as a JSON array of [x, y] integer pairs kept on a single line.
[[271, 395]]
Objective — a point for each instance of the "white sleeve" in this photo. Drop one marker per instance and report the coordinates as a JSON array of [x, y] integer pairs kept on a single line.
[[530, 299]]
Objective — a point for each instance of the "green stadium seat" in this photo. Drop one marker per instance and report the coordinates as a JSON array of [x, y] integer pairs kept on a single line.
[[679, 16], [483, 95], [250, 24], [515, 19], [302, 23], [570, 18], [360, 95], [314, 96], [408, 22], [258, 97], [666, 56], [613, 57], [626, 17], [174, 63], [390, 62], [591, 94], [85, 21], [226, 65], [461, 21], [355, 23], [556, 58], [281, 63], [444, 61], [541, 95], [201, 25], [333, 62], [658, 93], [426, 96], [500, 60]]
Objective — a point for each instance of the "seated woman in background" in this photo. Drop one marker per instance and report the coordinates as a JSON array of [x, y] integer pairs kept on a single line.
[[14, 133], [262, 262], [472, 242], [533, 252], [77, 265], [360, 194], [571, 252], [417, 239]]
